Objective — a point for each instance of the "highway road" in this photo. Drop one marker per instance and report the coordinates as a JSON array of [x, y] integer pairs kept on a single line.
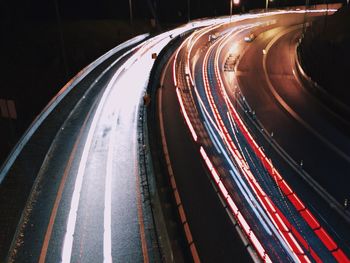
[[72, 189], [215, 62]]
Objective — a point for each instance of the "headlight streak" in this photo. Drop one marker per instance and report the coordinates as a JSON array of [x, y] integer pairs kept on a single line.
[[241, 184]]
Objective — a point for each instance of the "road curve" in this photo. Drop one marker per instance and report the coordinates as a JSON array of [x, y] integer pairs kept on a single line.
[[235, 199], [207, 109]]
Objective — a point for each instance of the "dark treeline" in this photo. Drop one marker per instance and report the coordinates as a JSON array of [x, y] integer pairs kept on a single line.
[[165, 10]]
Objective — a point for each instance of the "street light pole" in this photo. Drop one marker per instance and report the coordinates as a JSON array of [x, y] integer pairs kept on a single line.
[[325, 17], [266, 5], [305, 14], [188, 10], [232, 3], [63, 46], [130, 8]]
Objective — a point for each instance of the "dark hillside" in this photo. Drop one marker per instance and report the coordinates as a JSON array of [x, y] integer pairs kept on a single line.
[[325, 53], [33, 68]]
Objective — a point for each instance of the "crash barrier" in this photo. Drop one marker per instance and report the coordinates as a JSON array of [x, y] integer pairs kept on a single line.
[[155, 75]]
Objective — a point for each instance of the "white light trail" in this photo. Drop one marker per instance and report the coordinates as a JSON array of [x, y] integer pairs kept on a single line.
[[107, 216], [72, 217]]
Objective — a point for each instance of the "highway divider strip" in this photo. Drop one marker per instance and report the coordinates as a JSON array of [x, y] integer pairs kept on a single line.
[[176, 194]]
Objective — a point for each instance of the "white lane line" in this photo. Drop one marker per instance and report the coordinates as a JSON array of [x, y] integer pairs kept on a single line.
[[68, 239], [107, 220], [243, 187], [72, 217], [211, 137], [206, 114], [233, 124], [250, 201], [265, 217], [234, 134]]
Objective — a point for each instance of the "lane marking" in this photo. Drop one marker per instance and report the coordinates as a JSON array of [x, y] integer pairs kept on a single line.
[[59, 194], [73, 212], [107, 214], [211, 137]]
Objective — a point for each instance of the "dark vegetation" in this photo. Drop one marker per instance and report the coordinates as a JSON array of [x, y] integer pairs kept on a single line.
[[36, 64], [325, 54]]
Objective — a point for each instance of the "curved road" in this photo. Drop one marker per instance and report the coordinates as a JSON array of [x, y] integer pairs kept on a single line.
[[235, 188], [209, 113]]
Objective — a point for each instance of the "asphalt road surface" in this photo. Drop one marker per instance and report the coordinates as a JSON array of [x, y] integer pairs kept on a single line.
[[222, 97]]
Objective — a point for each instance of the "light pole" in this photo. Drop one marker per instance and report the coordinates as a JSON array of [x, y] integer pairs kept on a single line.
[[63, 46], [130, 8], [188, 10], [305, 15], [232, 3], [267, 4], [325, 17]]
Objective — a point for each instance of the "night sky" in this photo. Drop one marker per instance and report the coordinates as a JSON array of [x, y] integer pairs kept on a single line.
[[167, 10]]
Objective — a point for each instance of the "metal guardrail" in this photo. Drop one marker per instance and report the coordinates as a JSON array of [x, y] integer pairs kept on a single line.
[[170, 248], [147, 185], [293, 164], [57, 99]]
